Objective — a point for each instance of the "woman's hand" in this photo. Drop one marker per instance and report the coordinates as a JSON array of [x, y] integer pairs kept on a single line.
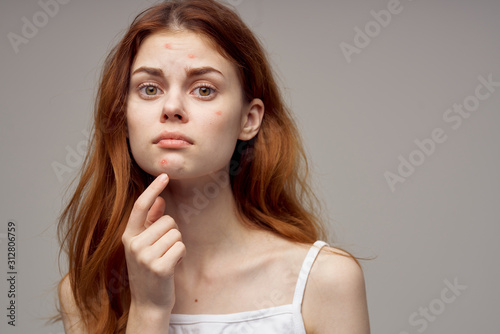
[[153, 247]]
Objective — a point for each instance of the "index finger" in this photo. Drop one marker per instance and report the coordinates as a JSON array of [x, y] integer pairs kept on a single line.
[[143, 203]]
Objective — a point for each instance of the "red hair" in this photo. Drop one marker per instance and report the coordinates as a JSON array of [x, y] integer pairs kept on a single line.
[[270, 184]]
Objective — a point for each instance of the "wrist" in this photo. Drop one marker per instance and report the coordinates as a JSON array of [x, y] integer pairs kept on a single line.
[[149, 319]]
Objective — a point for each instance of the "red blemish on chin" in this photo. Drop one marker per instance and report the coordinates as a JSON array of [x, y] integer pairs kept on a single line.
[[191, 56], [218, 112], [168, 46], [163, 162]]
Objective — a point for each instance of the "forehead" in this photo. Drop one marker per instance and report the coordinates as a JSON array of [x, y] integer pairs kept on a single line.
[[169, 49]]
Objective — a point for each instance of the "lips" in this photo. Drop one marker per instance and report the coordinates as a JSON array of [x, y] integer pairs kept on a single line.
[[167, 139]]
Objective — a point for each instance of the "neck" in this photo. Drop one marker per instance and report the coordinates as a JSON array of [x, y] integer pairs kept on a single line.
[[212, 231]]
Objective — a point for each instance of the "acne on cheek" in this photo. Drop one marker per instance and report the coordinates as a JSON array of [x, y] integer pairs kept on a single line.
[[190, 55], [218, 113]]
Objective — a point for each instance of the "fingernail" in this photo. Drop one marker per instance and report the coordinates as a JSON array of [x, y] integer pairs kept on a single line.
[[163, 177]]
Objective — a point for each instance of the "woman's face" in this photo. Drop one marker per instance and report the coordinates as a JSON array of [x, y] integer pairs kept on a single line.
[[185, 107]]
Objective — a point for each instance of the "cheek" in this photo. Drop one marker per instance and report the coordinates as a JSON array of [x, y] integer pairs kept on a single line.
[[140, 116], [220, 128], [227, 131], [136, 123], [133, 124], [225, 122]]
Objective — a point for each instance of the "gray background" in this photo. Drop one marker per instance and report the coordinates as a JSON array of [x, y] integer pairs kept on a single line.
[[357, 118]]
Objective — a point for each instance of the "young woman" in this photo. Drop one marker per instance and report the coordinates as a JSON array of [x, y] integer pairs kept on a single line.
[[193, 213]]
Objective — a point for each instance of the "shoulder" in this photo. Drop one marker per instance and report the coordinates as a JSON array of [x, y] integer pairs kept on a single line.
[[335, 295], [68, 308]]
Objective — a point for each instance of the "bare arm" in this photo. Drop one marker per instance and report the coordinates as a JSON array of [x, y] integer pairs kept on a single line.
[[335, 298], [69, 311], [140, 320]]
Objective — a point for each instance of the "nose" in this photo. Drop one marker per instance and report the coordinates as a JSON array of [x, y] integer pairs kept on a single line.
[[173, 109]]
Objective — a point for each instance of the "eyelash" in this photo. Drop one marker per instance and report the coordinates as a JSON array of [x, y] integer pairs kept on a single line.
[[201, 85]]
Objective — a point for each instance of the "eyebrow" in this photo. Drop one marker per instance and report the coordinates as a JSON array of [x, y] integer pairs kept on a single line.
[[156, 72], [190, 72]]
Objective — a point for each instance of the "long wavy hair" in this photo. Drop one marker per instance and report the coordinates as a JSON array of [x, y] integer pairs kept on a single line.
[[270, 185]]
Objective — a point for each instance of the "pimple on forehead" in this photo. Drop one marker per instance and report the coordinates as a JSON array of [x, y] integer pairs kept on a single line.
[[190, 55], [168, 45]]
